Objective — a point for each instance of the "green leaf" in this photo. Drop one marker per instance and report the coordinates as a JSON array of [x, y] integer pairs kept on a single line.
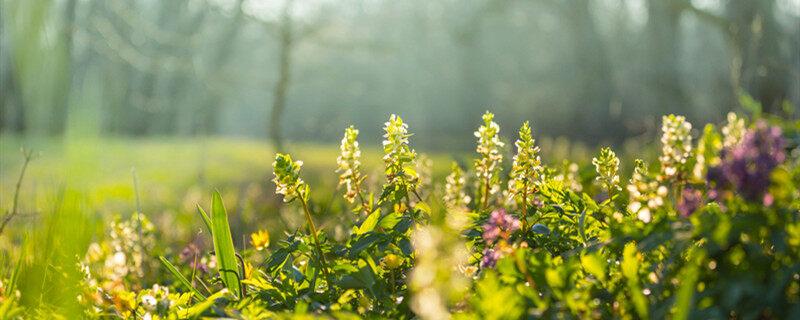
[[541, 229], [223, 246], [205, 217], [390, 220], [595, 265], [369, 223], [178, 275], [422, 206], [630, 269], [688, 281], [199, 308], [363, 243]]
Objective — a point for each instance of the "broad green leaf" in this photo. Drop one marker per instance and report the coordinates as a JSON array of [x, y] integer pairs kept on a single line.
[[178, 275], [595, 265], [369, 223], [422, 206], [223, 246], [390, 220]]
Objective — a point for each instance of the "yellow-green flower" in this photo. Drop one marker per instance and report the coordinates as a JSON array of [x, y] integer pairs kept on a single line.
[[487, 167], [349, 165], [287, 178], [607, 166]]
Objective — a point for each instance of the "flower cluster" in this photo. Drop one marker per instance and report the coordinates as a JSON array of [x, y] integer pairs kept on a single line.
[[425, 172], [645, 194], [676, 146], [156, 301], [399, 159], [733, 131], [691, 199], [435, 280], [193, 256], [287, 178], [747, 166], [487, 167], [496, 233], [119, 263], [607, 166], [454, 195], [526, 170], [126, 252], [568, 176], [349, 165]]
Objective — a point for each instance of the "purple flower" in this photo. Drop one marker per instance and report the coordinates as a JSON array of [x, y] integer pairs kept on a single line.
[[499, 225], [690, 201], [191, 256], [747, 166], [490, 257]]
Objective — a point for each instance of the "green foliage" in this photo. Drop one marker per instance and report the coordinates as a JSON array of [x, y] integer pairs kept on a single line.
[[227, 263], [583, 253]]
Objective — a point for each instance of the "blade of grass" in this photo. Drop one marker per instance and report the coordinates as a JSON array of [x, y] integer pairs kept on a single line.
[[223, 246], [178, 275], [206, 219], [198, 309]]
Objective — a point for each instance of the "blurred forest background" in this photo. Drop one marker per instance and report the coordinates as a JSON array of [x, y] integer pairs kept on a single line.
[[596, 71]]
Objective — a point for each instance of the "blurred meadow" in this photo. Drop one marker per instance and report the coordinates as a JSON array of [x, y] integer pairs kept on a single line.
[[149, 106]]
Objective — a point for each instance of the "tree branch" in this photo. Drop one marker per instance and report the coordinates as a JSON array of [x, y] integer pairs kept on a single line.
[[10, 215]]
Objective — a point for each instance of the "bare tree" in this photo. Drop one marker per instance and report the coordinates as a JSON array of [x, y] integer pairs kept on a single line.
[[286, 43]]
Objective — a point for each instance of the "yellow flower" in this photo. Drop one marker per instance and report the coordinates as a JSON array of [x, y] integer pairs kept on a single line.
[[260, 239], [392, 261]]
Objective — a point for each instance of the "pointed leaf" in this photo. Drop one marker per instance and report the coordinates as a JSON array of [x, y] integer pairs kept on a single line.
[[205, 217], [178, 275], [223, 246]]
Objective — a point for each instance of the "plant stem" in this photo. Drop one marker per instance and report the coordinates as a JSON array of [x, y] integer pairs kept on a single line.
[[485, 200], [28, 157], [524, 207], [324, 265], [364, 207]]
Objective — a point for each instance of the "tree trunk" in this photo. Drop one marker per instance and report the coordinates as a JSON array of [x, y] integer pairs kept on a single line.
[[209, 108], [759, 68], [663, 49], [281, 88], [62, 98], [595, 82]]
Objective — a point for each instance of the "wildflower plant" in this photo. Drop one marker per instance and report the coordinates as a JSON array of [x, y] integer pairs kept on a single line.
[[733, 131], [487, 167], [349, 167], [607, 167], [646, 195], [676, 147], [526, 171], [455, 196], [399, 160], [736, 232], [287, 178], [288, 183], [747, 166]]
